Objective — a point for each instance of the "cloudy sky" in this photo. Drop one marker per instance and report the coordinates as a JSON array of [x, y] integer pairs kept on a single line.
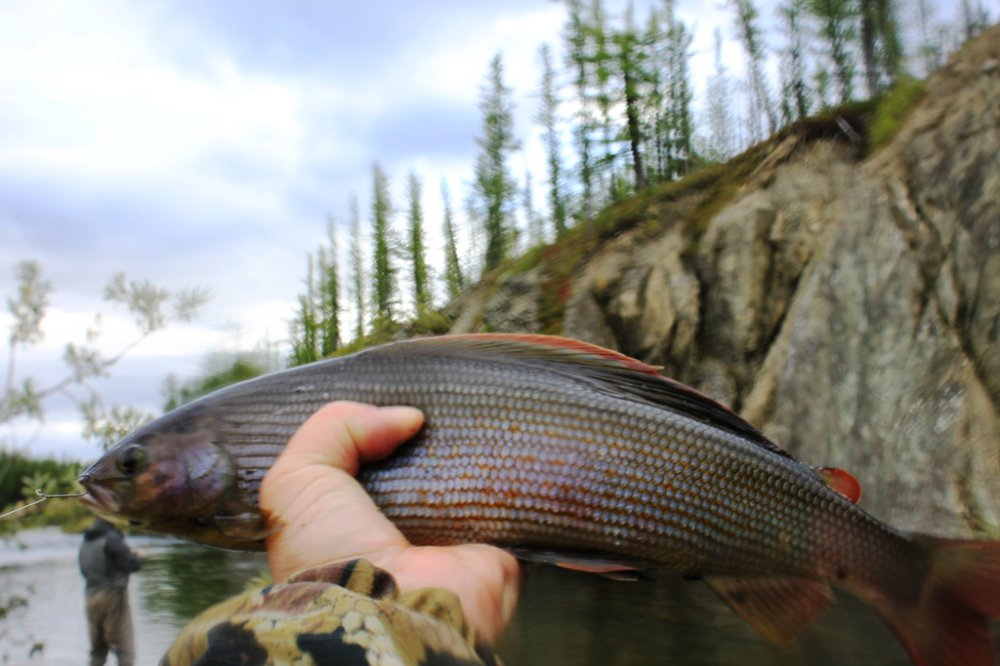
[[197, 143]]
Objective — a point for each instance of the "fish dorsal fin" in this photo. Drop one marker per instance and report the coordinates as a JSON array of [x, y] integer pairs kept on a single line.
[[556, 343], [841, 481], [609, 370]]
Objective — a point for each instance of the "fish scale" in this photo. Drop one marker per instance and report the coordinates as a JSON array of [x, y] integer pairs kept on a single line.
[[561, 417], [570, 453], [594, 510]]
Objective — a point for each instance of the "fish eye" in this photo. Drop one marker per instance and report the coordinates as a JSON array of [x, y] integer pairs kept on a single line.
[[132, 460]]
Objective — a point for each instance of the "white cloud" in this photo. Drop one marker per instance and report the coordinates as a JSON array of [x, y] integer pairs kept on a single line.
[[94, 95]]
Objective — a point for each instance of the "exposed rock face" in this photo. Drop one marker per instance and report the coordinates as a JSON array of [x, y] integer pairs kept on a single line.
[[849, 308]]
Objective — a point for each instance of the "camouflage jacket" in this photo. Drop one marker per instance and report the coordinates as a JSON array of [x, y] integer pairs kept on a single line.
[[346, 613]]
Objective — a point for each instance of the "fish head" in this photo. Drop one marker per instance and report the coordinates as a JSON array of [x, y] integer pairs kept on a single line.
[[171, 476]]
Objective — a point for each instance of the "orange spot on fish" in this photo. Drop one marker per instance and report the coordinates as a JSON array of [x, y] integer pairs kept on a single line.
[[841, 481]]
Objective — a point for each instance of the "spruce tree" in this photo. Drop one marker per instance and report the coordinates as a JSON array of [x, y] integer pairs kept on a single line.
[[315, 331], [493, 186], [476, 231], [454, 279], [869, 38], [630, 61], [746, 15], [795, 92], [601, 61], [931, 49], [974, 18], [418, 255], [891, 48], [654, 99], [383, 271], [357, 268], [548, 117], [532, 220], [329, 293], [720, 144], [576, 41], [881, 50], [679, 40], [304, 329], [666, 48], [821, 77], [837, 27]]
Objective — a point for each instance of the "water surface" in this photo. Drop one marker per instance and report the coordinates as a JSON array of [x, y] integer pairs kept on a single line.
[[176, 583], [564, 617]]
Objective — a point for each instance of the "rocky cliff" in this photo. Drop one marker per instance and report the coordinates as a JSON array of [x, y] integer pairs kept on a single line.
[[846, 301]]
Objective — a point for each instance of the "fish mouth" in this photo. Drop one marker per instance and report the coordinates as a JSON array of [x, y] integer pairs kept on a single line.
[[98, 497]]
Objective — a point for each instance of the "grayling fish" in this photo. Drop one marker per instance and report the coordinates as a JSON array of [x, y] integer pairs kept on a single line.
[[576, 454]]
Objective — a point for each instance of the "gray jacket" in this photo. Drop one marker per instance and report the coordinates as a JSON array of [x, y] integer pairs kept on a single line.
[[105, 559]]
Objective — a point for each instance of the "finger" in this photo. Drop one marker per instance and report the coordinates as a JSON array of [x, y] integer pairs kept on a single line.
[[345, 434]]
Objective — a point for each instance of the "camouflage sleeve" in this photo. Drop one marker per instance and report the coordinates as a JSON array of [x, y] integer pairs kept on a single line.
[[345, 613]]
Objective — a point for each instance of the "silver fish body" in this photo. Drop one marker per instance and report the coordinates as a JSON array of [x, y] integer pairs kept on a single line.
[[529, 452], [533, 443]]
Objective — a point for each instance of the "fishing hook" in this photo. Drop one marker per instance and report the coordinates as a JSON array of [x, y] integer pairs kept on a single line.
[[44, 496]]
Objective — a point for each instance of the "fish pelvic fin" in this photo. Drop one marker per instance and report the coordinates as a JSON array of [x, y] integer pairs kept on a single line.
[[246, 527], [607, 566], [948, 625], [778, 608]]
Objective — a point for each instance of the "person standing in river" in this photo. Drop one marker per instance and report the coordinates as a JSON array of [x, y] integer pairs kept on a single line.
[[106, 563]]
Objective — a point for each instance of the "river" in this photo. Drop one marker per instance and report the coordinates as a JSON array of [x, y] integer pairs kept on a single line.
[[177, 581], [564, 617]]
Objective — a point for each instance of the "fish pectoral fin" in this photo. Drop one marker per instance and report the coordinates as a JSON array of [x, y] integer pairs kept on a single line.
[[778, 608], [244, 527], [609, 567]]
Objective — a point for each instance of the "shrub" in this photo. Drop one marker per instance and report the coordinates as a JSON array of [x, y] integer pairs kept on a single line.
[[893, 108]]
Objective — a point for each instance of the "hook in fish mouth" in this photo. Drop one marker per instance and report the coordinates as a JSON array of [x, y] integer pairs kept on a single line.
[[99, 498]]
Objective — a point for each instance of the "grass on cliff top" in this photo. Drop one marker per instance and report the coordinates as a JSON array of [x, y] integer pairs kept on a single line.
[[713, 185], [654, 208], [893, 108], [427, 322], [692, 201]]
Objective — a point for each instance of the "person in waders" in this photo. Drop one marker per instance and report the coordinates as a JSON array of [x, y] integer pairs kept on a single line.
[[106, 563]]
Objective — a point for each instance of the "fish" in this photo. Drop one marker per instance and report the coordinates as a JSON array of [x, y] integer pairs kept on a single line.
[[569, 453]]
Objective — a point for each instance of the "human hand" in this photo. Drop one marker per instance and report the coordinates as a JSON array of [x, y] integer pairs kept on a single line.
[[323, 515]]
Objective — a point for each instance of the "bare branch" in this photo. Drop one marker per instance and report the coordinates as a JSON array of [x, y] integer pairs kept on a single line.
[[29, 306], [151, 309]]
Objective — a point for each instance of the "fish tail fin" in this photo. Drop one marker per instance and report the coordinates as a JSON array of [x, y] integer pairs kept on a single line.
[[949, 625]]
